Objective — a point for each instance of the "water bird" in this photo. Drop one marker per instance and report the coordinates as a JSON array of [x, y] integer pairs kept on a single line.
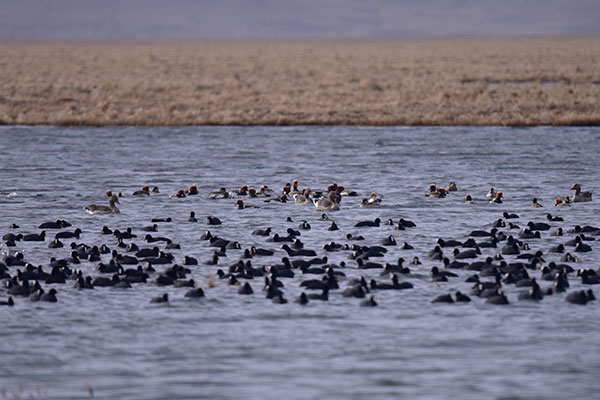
[[151, 228], [9, 302], [374, 223], [144, 191], [451, 187], [580, 196], [560, 203], [323, 296], [160, 299], [213, 220], [369, 302], [498, 199], [389, 241], [240, 205], [535, 203], [194, 293], [443, 298], [58, 224], [180, 193], [50, 296], [302, 198], [498, 298], [302, 298], [262, 232], [99, 209], [299, 252], [245, 289], [192, 190], [581, 297], [552, 218], [328, 203]]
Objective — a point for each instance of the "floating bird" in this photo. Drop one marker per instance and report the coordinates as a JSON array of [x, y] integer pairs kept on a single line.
[[579, 195], [111, 209]]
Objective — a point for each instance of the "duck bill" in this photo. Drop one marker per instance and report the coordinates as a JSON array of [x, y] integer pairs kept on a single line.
[[572, 187]]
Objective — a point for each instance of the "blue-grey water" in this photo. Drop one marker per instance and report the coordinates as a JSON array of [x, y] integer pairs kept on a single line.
[[113, 344]]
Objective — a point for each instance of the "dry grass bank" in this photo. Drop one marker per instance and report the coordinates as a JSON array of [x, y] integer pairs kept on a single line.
[[358, 82]]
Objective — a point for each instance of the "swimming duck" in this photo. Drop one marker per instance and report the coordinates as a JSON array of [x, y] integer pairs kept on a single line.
[[433, 191], [498, 198], [240, 205], [560, 203], [242, 191], [468, 199], [436, 192], [294, 189], [264, 191], [193, 190], [280, 199], [143, 191], [451, 187], [222, 193], [180, 193], [579, 195], [111, 209], [252, 192], [535, 204], [491, 194], [567, 199], [374, 199]]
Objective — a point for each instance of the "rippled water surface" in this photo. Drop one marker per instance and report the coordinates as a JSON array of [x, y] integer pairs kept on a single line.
[[115, 344]]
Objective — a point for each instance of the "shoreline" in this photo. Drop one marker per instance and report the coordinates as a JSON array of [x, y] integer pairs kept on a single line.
[[494, 81]]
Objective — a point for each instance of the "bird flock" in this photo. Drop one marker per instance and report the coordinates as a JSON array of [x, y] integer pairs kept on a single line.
[[493, 261]]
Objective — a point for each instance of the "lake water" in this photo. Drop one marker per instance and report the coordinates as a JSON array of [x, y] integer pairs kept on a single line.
[[114, 344]]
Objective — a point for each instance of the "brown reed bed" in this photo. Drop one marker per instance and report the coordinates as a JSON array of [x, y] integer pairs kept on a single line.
[[484, 81]]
